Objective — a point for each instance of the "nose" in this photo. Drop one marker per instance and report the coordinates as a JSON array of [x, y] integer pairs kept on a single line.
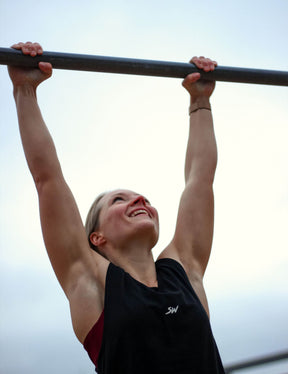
[[139, 200]]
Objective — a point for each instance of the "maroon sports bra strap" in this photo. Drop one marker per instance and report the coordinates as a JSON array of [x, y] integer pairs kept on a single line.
[[93, 340]]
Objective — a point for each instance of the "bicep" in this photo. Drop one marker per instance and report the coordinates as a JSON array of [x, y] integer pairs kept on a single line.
[[62, 229], [194, 228]]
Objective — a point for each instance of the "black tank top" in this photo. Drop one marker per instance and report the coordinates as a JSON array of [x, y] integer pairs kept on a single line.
[[161, 330]]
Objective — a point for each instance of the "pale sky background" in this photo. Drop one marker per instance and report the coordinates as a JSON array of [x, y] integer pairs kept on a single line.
[[125, 131]]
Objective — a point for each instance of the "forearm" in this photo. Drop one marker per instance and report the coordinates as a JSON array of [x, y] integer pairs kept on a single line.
[[201, 154], [37, 142]]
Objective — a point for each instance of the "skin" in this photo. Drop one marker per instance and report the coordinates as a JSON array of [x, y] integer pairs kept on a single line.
[[124, 238]]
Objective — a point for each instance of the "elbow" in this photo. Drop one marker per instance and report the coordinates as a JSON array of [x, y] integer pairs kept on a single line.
[[39, 181], [202, 166], [204, 174], [45, 174]]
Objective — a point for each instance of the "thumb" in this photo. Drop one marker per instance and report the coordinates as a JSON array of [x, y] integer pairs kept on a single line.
[[46, 68], [191, 78]]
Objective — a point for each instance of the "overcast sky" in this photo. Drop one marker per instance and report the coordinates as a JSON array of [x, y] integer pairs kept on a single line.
[[125, 131]]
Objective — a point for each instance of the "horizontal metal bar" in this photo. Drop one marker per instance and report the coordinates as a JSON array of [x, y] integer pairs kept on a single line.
[[256, 362], [70, 61]]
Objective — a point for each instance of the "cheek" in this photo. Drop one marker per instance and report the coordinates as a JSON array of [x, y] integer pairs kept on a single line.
[[155, 213], [113, 217]]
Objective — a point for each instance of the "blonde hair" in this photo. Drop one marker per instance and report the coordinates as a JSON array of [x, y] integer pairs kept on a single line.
[[92, 219]]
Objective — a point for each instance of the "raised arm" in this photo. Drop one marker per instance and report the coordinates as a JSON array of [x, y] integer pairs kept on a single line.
[[62, 227], [192, 241]]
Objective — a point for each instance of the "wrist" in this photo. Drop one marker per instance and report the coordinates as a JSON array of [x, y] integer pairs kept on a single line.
[[24, 90], [200, 102]]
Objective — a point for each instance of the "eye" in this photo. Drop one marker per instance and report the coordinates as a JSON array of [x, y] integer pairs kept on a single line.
[[117, 198]]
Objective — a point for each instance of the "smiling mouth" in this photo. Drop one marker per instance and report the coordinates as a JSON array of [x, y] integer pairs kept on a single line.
[[138, 212]]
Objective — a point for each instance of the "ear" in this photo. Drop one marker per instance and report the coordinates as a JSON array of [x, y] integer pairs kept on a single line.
[[97, 239]]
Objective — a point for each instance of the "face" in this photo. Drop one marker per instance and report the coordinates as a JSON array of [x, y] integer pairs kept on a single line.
[[126, 215]]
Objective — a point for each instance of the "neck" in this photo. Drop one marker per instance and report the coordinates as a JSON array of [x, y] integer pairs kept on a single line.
[[136, 261]]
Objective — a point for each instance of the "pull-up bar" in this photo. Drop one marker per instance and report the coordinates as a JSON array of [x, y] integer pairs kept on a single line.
[[71, 61]]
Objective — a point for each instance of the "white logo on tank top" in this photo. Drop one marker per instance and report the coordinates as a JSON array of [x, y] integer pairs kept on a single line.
[[172, 310]]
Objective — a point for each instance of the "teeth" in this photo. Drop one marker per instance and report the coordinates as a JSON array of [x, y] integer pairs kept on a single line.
[[140, 211]]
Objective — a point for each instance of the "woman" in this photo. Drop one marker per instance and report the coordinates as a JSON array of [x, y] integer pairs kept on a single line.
[[131, 314]]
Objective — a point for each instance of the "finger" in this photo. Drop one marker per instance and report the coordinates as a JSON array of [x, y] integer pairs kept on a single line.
[[17, 45], [199, 62], [190, 79], [196, 61], [34, 49], [38, 48], [45, 67], [212, 64], [193, 77], [204, 63], [29, 48]]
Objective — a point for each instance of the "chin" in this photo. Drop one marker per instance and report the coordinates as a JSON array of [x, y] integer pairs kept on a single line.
[[147, 230], [147, 225]]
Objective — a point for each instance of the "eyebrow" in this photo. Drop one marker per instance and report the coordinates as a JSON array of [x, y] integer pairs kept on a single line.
[[115, 194], [125, 194], [118, 194]]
